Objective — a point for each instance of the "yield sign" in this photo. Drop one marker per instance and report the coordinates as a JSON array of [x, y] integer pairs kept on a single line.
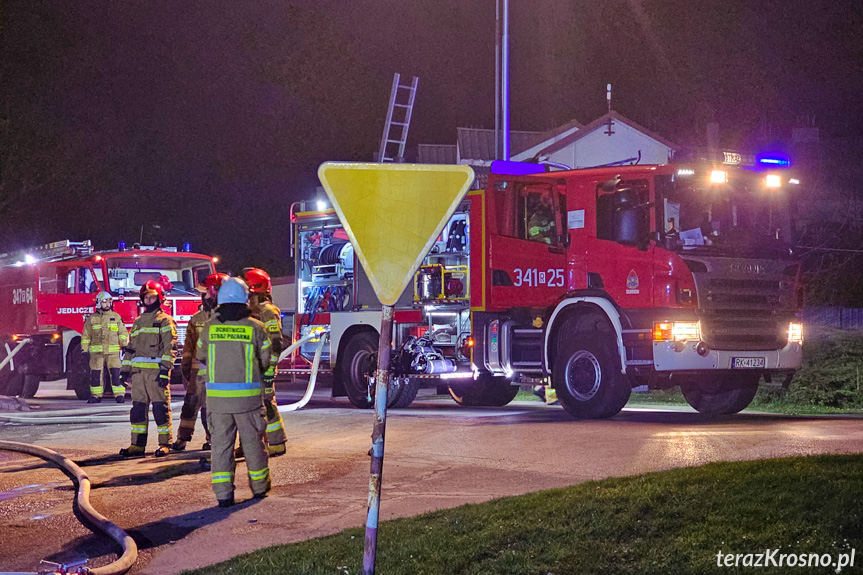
[[392, 214]]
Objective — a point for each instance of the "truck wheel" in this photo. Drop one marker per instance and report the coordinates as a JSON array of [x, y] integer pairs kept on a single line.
[[721, 397], [408, 392], [77, 372], [15, 384], [31, 386], [357, 365], [485, 391], [586, 373]]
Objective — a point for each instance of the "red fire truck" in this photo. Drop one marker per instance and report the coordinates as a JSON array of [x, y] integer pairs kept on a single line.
[[599, 280], [46, 293]]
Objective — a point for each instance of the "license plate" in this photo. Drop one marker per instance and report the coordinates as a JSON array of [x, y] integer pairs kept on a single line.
[[747, 362]]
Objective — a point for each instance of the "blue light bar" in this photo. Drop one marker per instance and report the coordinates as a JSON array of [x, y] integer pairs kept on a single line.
[[774, 160], [121, 246], [187, 247], [509, 168]]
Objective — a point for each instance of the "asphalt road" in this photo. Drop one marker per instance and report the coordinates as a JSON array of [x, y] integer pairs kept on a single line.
[[438, 455]]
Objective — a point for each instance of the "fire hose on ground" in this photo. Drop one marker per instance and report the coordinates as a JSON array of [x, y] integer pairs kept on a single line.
[[130, 550]]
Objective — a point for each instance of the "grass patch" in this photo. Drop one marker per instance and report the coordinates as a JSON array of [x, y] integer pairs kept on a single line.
[[665, 523]]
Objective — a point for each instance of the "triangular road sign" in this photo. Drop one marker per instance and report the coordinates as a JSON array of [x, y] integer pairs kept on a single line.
[[393, 213]]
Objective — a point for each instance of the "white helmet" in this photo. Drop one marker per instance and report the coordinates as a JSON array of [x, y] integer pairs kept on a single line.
[[103, 296], [233, 290]]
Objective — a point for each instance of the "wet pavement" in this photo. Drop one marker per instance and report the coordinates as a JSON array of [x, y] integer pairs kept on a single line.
[[438, 455]]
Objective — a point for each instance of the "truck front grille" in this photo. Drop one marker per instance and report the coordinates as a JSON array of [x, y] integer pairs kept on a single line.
[[744, 304], [750, 332]]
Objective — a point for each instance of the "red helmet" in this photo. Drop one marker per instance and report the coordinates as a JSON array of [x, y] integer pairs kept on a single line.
[[258, 280], [153, 287], [212, 284]]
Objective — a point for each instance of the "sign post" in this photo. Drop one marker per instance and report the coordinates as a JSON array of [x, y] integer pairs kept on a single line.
[[392, 213]]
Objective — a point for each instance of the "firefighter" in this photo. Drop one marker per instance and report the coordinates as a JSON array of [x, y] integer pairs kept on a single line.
[[540, 225], [194, 380], [263, 309], [147, 365], [103, 337], [235, 350]]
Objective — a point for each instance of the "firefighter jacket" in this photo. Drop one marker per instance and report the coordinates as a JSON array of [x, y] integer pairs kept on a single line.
[[189, 363], [104, 332], [267, 313], [235, 353], [151, 342]]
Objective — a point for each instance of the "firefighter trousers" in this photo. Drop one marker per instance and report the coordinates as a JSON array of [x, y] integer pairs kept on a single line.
[[146, 390], [251, 427], [98, 361], [195, 401], [275, 426]]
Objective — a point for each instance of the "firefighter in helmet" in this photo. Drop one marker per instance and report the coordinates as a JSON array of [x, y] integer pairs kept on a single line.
[[234, 349], [263, 309], [147, 365], [103, 338], [194, 379], [540, 225]]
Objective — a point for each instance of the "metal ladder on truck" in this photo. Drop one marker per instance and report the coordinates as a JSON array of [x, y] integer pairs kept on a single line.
[[396, 126]]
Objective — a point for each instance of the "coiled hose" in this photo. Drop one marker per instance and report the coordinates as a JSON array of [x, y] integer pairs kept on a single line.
[[130, 550]]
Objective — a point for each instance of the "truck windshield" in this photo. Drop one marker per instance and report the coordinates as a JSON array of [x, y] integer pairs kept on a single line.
[[740, 217], [178, 275]]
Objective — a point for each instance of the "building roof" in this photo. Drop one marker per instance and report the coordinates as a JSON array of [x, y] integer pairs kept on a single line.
[[437, 154], [598, 123], [478, 143]]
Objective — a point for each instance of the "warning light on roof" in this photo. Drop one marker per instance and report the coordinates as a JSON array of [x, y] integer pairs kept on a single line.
[[718, 177], [775, 160], [187, 247], [510, 168], [121, 246]]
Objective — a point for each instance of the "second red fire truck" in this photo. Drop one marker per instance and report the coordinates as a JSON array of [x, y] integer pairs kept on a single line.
[[46, 293], [599, 280]]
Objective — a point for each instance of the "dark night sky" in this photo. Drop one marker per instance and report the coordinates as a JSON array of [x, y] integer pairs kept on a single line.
[[210, 118]]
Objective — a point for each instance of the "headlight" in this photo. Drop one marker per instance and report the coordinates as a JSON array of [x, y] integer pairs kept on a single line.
[[773, 181], [795, 332], [677, 331]]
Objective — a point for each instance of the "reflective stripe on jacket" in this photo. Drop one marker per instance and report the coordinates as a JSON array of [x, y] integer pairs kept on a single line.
[[267, 313], [189, 362], [235, 353], [104, 332], [151, 342]]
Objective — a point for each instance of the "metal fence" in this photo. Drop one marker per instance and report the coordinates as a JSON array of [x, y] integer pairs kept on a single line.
[[835, 317]]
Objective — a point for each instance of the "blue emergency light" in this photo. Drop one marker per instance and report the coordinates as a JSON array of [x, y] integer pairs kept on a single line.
[[774, 160], [187, 247], [121, 246], [510, 168]]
